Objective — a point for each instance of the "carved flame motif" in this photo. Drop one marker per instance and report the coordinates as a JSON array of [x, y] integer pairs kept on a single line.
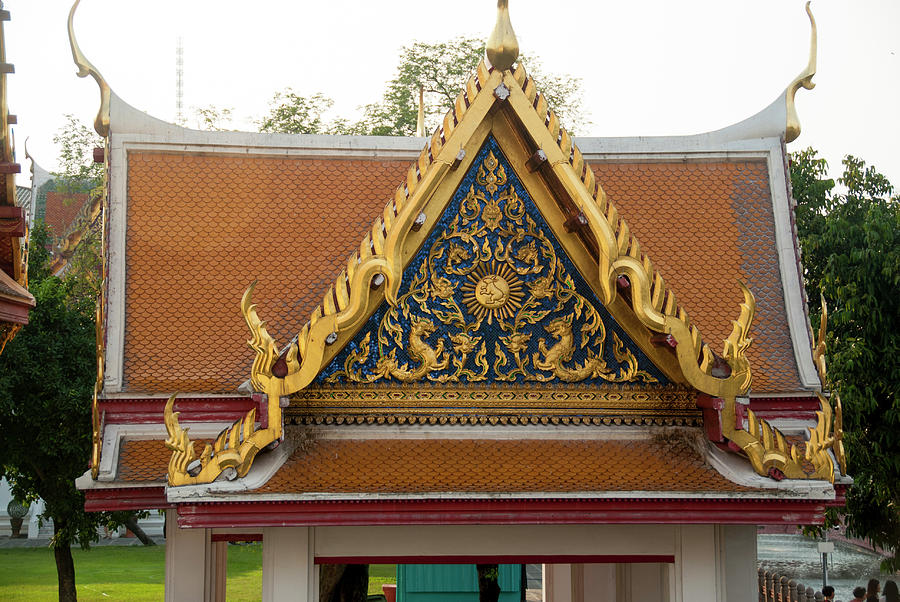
[[491, 300]]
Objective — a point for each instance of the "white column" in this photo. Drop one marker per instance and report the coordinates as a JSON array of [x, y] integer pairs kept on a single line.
[[558, 584], [739, 546], [288, 565], [643, 581], [698, 566], [600, 582], [189, 562]]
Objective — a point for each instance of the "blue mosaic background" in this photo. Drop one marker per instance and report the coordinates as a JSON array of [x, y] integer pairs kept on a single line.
[[491, 333]]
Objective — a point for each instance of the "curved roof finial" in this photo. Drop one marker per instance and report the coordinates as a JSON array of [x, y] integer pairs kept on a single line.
[[85, 68], [502, 47], [792, 129]]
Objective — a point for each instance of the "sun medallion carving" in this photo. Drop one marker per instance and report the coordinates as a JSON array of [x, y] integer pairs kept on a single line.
[[492, 290]]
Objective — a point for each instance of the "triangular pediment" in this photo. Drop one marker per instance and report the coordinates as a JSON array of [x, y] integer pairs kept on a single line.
[[493, 298], [647, 338]]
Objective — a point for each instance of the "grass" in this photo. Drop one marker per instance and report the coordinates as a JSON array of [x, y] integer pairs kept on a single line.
[[133, 573]]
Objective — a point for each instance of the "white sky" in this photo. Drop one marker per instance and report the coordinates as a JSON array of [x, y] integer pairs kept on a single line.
[[651, 67]]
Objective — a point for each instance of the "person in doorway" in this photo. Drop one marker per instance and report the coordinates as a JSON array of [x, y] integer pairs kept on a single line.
[[859, 594], [872, 590], [828, 592], [891, 592]]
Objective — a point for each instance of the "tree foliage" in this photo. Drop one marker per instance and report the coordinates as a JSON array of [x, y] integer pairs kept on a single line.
[[79, 172], [212, 118], [46, 382], [440, 70], [850, 238], [294, 114]]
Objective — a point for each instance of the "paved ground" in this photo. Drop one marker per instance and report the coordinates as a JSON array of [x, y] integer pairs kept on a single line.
[[23, 542]]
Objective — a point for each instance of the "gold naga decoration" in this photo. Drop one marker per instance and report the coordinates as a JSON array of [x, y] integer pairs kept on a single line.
[[769, 451], [804, 80], [85, 68], [823, 436], [235, 448]]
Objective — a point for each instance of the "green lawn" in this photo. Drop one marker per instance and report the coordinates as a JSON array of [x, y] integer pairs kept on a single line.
[[133, 573]]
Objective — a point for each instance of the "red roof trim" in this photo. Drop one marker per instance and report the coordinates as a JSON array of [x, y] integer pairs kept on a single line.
[[514, 559], [126, 498], [150, 411], [521, 511]]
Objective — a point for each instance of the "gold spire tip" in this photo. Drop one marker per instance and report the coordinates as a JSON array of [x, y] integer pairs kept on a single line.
[[502, 48]]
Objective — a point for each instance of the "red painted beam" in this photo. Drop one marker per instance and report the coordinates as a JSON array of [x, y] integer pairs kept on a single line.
[[803, 408], [126, 498], [501, 512], [236, 537], [515, 559], [150, 411], [14, 311], [12, 220]]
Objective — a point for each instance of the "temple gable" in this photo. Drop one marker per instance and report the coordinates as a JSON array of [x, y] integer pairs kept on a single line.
[[492, 298]]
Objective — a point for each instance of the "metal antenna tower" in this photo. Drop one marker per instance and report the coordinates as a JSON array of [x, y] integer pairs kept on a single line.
[[179, 81]]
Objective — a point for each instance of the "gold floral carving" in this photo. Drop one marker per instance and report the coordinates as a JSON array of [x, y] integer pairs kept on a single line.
[[513, 281]]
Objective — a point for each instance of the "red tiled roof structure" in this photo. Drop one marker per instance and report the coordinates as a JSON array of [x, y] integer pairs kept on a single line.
[[199, 235], [61, 209], [706, 226], [413, 466]]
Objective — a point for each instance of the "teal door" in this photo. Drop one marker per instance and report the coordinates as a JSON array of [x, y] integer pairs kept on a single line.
[[453, 583]]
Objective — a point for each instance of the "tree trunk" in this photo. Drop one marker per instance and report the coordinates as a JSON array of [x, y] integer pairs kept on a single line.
[[488, 586], [134, 527], [343, 582], [329, 577], [354, 585], [65, 569]]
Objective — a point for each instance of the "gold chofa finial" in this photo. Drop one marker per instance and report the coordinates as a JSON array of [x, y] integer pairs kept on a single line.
[[85, 68], [792, 129], [502, 47]]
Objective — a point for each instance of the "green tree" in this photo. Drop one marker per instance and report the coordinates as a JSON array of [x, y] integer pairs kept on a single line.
[[46, 383], [213, 118], [76, 155], [294, 114], [440, 71], [850, 238]]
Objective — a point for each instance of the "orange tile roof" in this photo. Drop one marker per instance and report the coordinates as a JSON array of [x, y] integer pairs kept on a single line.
[[706, 226], [202, 228], [410, 466], [146, 460], [143, 461], [61, 209]]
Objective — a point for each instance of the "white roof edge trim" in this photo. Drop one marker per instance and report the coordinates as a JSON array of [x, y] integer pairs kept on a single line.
[[737, 469], [791, 271], [127, 121]]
